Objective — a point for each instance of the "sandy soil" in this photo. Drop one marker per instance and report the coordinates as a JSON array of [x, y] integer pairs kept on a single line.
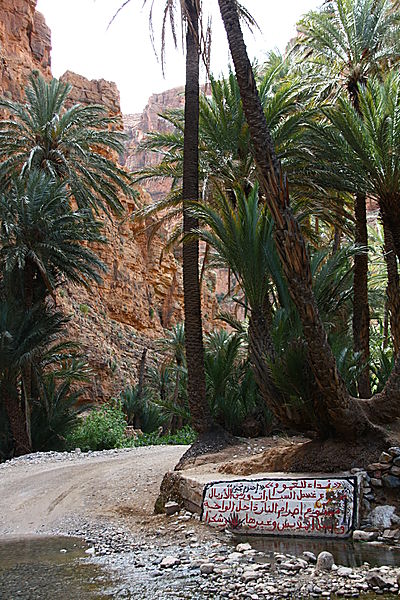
[[36, 496]]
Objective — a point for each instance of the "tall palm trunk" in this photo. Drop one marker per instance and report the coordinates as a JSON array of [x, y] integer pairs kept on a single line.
[[199, 408], [16, 419], [391, 215], [393, 287], [360, 288], [345, 415], [27, 370], [360, 295]]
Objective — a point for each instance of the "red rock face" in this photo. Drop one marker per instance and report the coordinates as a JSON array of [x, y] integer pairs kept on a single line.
[[138, 125], [95, 91], [140, 294], [25, 45]]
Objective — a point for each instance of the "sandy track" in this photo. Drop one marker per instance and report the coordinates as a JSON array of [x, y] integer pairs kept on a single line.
[[36, 497]]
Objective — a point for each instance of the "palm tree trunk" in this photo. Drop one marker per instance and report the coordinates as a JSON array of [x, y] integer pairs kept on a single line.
[[16, 419], [345, 416], [393, 287], [261, 354], [360, 296], [26, 372], [199, 408], [389, 208]]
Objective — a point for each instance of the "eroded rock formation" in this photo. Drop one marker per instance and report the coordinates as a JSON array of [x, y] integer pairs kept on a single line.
[[137, 126], [140, 294], [25, 45]]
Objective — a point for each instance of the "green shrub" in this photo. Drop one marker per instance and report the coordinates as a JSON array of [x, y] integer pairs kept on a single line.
[[140, 410], [102, 429], [183, 436]]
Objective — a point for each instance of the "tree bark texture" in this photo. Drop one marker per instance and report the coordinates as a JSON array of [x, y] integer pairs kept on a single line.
[[393, 287], [391, 216], [198, 404], [345, 415], [360, 295], [16, 419]]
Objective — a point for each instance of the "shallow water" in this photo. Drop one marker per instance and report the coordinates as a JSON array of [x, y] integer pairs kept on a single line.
[[344, 552], [48, 568], [51, 568]]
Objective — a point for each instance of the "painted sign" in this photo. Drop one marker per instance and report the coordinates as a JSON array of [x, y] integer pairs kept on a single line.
[[323, 507]]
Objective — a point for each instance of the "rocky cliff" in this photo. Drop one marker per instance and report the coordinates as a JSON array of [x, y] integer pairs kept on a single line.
[[25, 45], [140, 294], [138, 125]]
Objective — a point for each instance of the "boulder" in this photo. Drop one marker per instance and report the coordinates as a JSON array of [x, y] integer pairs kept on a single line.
[[381, 516], [390, 481], [310, 557], [364, 536], [325, 561], [375, 579]]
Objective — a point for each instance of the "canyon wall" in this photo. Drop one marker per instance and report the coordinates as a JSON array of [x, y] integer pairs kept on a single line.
[[136, 127], [25, 45], [141, 293]]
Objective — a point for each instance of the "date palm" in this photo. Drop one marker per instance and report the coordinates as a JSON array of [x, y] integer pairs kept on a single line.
[[24, 336], [77, 145], [190, 11], [42, 244], [348, 416], [365, 151], [343, 44], [241, 236], [42, 239]]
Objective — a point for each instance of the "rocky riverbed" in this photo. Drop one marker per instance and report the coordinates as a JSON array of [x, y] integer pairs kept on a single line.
[[178, 561], [107, 499]]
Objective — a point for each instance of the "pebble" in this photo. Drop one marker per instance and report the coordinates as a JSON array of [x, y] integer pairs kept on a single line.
[[243, 548], [207, 568], [169, 561]]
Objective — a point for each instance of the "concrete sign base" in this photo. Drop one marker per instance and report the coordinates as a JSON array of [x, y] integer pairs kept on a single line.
[[319, 507]]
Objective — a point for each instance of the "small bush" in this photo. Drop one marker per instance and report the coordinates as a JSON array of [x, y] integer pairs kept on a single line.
[[102, 429], [184, 436]]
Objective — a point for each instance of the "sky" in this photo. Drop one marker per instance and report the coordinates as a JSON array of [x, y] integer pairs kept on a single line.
[[123, 53]]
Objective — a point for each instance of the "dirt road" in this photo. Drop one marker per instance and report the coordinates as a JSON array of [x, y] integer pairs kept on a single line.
[[37, 495]]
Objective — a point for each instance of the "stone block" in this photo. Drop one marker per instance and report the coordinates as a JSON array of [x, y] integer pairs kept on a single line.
[[390, 481], [171, 508], [385, 457]]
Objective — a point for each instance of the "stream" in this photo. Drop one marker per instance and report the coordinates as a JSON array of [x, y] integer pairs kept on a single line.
[[57, 568]]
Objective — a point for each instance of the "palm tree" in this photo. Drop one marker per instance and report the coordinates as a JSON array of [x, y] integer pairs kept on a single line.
[[347, 416], [76, 144], [344, 43], [41, 239], [241, 236], [363, 151], [24, 336], [41, 245], [199, 408]]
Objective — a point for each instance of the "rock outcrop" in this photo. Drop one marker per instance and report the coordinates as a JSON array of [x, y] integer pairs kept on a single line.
[[25, 45], [140, 294], [136, 126], [95, 91]]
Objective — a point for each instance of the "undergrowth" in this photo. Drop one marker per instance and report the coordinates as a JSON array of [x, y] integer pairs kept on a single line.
[[183, 436]]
